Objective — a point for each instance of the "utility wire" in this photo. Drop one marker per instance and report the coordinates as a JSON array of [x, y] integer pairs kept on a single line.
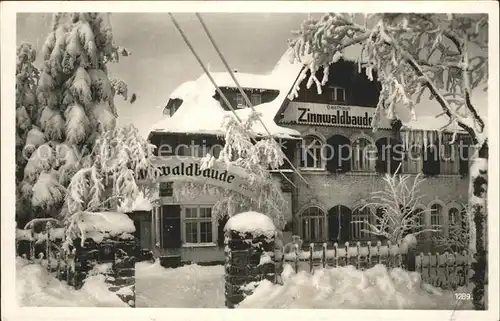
[[248, 102], [221, 94]]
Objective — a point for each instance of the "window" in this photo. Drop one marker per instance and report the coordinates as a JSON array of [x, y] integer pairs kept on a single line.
[[454, 216], [363, 155], [198, 225], [311, 153], [256, 99], [166, 189], [412, 159], [419, 222], [313, 225], [337, 94], [448, 163], [240, 101], [389, 155], [193, 150], [360, 219], [436, 213]]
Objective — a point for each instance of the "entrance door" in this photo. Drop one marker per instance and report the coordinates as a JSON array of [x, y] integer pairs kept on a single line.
[[171, 226], [339, 220]]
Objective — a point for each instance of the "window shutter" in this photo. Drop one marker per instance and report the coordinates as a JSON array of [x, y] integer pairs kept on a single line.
[[431, 165], [381, 162], [463, 156]]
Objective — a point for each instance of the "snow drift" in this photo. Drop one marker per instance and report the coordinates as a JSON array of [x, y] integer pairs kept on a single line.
[[36, 287], [348, 288]]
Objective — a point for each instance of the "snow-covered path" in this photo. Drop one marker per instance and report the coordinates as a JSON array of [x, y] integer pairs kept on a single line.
[[190, 286]]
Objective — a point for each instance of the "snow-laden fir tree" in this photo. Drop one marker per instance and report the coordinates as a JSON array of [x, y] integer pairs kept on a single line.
[[413, 53], [256, 157], [27, 76], [74, 104], [395, 209]]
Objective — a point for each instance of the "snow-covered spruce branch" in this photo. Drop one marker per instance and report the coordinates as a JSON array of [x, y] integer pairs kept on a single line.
[[391, 39], [119, 158], [256, 158]]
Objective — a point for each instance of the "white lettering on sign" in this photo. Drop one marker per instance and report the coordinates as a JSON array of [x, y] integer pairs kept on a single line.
[[328, 115], [188, 168]]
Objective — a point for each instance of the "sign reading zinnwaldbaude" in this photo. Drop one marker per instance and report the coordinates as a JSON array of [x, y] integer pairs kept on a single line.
[[188, 168], [328, 115]]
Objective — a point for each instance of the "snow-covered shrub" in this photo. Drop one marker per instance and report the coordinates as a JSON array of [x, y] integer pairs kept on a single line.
[[398, 205]]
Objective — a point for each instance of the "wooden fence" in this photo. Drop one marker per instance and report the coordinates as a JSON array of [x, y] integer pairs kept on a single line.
[[445, 270]]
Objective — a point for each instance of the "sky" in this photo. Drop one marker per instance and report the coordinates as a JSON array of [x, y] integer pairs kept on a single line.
[[161, 61]]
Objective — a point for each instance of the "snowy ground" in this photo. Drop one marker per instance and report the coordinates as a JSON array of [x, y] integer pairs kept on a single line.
[[190, 286], [341, 288], [35, 287], [195, 286]]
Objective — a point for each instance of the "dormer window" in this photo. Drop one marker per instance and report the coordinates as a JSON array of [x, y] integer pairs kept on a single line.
[[172, 106], [337, 95]]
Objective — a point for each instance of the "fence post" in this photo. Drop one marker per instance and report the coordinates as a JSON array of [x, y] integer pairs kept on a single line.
[[335, 258], [378, 251], [296, 249], [369, 259], [311, 251], [32, 244], [48, 227], [323, 256], [358, 263], [410, 260], [389, 259], [346, 244], [245, 266]]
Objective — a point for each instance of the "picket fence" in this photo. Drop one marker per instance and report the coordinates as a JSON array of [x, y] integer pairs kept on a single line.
[[444, 270]]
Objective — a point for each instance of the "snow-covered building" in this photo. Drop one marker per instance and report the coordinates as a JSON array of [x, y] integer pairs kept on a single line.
[[326, 136]]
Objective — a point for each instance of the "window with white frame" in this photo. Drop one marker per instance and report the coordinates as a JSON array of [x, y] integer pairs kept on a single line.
[[436, 217], [359, 223], [240, 101], [256, 99], [313, 225], [311, 156], [364, 155], [198, 225], [337, 94]]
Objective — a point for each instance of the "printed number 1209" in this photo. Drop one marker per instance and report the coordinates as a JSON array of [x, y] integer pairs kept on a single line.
[[463, 296]]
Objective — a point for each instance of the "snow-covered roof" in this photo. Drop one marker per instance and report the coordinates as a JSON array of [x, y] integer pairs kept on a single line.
[[141, 203], [203, 114], [200, 113]]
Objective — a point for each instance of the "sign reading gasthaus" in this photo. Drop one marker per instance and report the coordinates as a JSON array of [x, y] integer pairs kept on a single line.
[[328, 115], [188, 168]]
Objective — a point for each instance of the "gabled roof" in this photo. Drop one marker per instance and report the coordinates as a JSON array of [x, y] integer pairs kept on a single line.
[[201, 113]]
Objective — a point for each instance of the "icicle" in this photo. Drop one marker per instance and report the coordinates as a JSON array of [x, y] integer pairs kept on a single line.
[[431, 137], [407, 138], [424, 136], [440, 139]]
